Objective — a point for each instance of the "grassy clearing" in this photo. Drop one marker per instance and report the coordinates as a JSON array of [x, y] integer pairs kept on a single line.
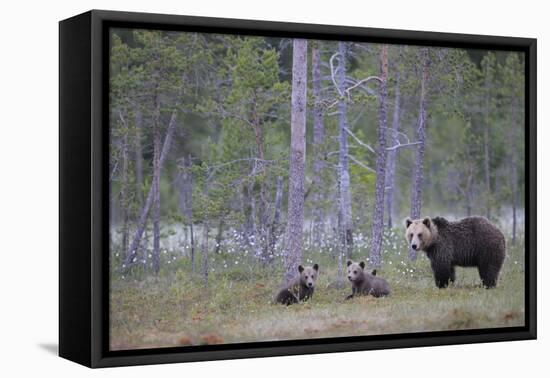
[[175, 309]]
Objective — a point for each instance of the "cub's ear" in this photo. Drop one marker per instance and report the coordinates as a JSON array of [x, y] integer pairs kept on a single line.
[[362, 264], [316, 267], [373, 272], [300, 268], [408, 222], [427, 221], [349, 263]]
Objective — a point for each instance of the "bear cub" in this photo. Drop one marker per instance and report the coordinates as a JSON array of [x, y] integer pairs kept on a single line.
[[301, 287], [469, 242], [364, 283]]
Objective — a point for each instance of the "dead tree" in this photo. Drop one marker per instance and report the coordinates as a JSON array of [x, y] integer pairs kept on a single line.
[[140, 227]]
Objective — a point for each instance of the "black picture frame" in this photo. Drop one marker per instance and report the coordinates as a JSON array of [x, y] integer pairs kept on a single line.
[[83, 195]]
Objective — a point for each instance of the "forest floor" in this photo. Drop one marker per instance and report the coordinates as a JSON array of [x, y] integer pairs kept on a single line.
[[174, 308]]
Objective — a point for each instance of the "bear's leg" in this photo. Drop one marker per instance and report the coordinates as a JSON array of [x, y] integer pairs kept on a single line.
[[489, 275], [353, 292], [442, 273], [286, 297], [291, 299], [442, 280]]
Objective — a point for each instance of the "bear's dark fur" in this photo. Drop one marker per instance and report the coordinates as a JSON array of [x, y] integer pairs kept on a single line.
[[300, 288], [469, 242], [363, 283]]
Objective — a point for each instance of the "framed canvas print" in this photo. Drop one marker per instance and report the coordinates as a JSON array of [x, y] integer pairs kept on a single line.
[[233, 188]]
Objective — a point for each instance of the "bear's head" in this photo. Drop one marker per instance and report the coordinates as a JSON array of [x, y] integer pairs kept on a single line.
[[420, 233], [355, 270], [308, 275]]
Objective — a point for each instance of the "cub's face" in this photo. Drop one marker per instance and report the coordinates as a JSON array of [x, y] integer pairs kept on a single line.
[[419, 233], [355, 270], [308, 275]]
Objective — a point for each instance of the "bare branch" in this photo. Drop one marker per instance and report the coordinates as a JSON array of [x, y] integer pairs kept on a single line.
[[400, 145], [359, 140], [359, 163], [333, 73], [112, 175], [347, 91], [360, 82]]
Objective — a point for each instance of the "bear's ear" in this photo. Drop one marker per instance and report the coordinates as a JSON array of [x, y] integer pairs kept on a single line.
[[349, 263], [427, 222], [408, 222], [316, 267], [373, 272], [300, 268], [362, 264]]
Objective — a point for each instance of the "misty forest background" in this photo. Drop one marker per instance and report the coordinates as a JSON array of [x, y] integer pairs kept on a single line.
[[234, 158]]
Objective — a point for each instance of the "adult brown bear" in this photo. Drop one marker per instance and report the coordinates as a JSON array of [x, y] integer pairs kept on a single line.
[[469, 242]]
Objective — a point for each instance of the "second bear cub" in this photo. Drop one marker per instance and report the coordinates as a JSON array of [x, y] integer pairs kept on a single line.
[[363, 283], [301, 287]]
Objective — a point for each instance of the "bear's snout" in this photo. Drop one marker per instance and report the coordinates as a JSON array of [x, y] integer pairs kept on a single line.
[[310, 284], [414, 246]]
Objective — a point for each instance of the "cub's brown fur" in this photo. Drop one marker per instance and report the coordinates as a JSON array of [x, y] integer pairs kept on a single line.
[[301, 287], [469, 242], [363, 283]]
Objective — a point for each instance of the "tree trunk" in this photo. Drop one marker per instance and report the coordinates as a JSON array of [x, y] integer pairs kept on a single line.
[[381, 154], [138, 117], [149, 201], [345, 226], [156, 185], [274, 232], [204, 253], [186, 203], [514, 167], [418, 171], [486, 145], [261, 232], [340, 232], [125, 188], [248, 213], [293, 255], [318, 143], [392, 155], [219, 236], [204, 248]]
